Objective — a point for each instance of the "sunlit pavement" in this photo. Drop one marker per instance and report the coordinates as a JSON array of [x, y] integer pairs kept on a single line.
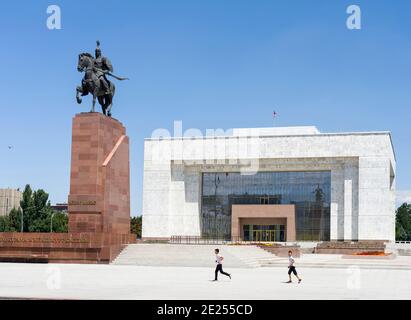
[[59, 281]]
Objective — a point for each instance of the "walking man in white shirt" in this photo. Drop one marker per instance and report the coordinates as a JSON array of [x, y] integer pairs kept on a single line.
[[219, 268], [291, 267]]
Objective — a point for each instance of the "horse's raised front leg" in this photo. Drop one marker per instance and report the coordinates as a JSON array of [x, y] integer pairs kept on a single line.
[[79, 91]]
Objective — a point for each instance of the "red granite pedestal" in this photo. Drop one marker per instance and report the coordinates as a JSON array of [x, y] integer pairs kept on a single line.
[[99, 200]]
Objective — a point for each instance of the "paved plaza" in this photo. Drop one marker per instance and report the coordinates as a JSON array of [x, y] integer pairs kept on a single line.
[[64, 281]]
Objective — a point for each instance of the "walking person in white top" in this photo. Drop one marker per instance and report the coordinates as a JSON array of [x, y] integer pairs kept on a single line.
[[291, 267], [219, 268]]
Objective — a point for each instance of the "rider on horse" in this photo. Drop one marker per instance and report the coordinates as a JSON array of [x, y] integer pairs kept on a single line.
[[102, 66]]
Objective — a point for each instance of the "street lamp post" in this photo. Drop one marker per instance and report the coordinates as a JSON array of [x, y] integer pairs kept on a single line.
[[21, 221], [51, 222]]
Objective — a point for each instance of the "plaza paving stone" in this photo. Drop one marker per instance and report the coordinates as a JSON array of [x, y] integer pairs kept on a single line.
[[63, 281]]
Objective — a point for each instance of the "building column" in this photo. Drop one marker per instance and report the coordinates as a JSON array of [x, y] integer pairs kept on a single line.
[[337, 203], [351, 200], [348, 209]]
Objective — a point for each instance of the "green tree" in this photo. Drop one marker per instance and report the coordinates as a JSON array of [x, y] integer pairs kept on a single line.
[[136, 225], [37, 214], [5, 224], [28, 208], [60, 222], [403, 223], [14, 220]]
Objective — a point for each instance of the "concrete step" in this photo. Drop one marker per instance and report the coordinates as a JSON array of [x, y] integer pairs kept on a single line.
[[192, 255]]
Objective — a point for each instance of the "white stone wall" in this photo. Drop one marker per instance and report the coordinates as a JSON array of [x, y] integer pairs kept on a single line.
[[156, 195], [362, 197], [376, 199]]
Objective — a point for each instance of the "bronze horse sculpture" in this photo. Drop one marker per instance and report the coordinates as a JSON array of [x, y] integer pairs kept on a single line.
[[96, 83]]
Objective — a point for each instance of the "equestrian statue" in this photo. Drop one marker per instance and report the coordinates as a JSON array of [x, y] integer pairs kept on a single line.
[[96, 69]]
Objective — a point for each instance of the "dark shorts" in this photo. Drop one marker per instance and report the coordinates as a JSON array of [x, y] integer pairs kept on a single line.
[[292, 270]]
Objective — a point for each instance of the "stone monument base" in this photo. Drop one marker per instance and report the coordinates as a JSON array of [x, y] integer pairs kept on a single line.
[[90, 248], [98, 204]]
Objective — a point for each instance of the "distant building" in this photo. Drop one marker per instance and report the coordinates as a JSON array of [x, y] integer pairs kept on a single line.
[[61, 207], [9, 199]]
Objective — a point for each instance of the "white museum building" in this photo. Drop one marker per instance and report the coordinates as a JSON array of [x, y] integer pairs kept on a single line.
[[270, 184]]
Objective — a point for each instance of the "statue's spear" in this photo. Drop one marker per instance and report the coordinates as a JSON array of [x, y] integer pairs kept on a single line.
[[115, 77], [111, 75]]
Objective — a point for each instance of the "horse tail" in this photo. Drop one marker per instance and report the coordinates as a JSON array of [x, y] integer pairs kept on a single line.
[[110, 97]]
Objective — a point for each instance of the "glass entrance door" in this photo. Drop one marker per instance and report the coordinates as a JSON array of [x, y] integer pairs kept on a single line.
[[264, 233]]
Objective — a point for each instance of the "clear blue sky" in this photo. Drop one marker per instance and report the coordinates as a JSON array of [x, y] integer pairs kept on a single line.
[[211, 64]]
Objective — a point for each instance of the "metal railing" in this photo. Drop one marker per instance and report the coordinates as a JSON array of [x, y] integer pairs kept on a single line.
[[198, 240], [213, 240]]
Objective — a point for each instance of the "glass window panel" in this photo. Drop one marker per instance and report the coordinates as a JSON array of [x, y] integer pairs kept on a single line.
[[310, 192]]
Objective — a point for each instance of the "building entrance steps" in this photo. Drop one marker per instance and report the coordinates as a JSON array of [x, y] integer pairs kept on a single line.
[[235, 256], [245, 256]]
